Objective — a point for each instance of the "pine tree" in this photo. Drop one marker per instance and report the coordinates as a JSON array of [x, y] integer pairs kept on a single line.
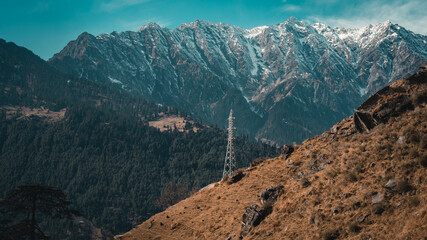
[[22, 204]]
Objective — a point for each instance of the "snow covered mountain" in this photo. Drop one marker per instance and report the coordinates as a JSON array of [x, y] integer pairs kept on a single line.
[[285, 82]]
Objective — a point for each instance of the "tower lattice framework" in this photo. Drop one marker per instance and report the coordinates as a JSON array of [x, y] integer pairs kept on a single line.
[[230, 160]]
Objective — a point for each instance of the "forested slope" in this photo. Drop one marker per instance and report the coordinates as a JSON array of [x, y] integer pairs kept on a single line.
[[94, 143]]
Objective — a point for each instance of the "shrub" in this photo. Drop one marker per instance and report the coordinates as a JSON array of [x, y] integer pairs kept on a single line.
[[414, 201], [257, 162], [379, 208], [423, 160], [354, 227], [330, 234], [351, 177], [418, 98], [411, 134], [305, 182], [403, 186], [423, 142]]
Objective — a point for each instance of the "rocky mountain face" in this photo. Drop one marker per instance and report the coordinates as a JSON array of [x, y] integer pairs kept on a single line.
[[285, 82], [351, 182]]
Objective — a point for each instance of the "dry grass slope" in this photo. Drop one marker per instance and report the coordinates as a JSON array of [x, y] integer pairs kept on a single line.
[[340, 185]]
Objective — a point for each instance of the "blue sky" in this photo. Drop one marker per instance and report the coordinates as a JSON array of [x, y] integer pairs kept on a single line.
[[46, 26]]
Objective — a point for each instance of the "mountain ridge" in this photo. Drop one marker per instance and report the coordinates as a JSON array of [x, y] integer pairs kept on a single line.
[[286, 73]]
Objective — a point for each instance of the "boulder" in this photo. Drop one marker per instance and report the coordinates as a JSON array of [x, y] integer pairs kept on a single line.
[[270, 195], [377, 198], [237, 176], [252, 217], [257, 162], [287, 150], [391, 184]]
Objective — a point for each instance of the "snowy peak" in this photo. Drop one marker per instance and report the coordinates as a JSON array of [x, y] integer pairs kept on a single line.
[[256, 31], [281, 75], [151, 25]]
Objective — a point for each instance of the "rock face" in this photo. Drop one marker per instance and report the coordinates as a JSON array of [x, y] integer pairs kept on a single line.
[[251, 218], [255, 214], [391, 101], [270, 195], [285, 82], [287, 150]]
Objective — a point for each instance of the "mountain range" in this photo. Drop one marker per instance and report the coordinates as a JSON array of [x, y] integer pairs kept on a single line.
[[285, 82]]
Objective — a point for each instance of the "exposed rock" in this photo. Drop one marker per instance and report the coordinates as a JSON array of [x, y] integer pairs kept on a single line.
[[269, 195], [401, 140], [391, 184], [317, 166], [391, 101], [287, 150], [377, 198], [237, 176], [345, 196], [334, 129], [362, 219], [174, 226], [252, 217], [257, 162]]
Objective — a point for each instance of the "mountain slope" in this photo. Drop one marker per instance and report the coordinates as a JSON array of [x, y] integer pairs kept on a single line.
[[348, 183], [279, 76], [96, 143]]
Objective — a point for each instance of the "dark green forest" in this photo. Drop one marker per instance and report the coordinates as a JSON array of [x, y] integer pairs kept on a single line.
[[103, 154]]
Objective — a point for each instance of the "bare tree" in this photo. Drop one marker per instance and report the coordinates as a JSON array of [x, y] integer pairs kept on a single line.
[[172, 193]]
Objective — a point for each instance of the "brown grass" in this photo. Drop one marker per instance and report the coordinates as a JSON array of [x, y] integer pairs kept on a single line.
[[171, 122], [25, 112], [337, 202]]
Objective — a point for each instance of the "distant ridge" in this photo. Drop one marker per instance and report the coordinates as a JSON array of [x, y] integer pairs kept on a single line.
[[287, 81]]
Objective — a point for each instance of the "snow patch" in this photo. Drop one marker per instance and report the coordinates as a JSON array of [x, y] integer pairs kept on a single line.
[[362, 91], [300, 28], [113, 80], [253, 58], [256, 31]]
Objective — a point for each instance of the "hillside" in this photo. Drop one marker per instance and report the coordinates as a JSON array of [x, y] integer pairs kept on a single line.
[[287, 82], [358, 180], [95, 143]]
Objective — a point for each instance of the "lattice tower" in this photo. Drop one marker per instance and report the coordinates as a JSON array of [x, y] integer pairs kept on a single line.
[[230, 160]]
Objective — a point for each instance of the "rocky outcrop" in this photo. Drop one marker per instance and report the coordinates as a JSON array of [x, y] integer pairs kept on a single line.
[[251, 218], [270, 195], [237, 176], [391, 101], [255, 214], [287, 150]]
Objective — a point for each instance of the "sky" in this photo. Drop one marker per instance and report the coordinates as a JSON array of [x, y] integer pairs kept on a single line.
[[46, 26]]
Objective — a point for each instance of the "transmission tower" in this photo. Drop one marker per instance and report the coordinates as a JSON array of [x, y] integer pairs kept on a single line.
[[230, 160]]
